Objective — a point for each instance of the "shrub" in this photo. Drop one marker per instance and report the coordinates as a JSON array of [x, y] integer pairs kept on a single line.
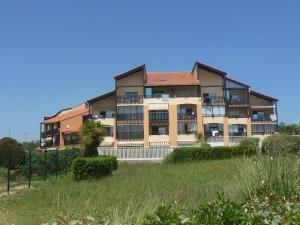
[[250, 146], [17, 153], [93, 167], [280, 144], [207, 152]]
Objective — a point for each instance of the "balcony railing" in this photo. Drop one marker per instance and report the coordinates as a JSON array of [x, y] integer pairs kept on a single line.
[[138, 99], [215, 139], [216, 100], [130, 135], [213, 114], [130, 117], [159, 116], [237, 115], [50, 132], [72, 142], [261, 118], [236, 139], [185, 132], [238, 101], [186, 116]]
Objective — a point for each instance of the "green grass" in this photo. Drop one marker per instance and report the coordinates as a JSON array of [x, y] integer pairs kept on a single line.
[[132, 191]]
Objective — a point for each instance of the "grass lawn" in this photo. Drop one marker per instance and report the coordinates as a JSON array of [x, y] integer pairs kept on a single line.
[[132, 191]]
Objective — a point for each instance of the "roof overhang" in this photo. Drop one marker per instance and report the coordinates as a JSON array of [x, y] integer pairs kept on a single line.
[[269, 98], [98, 98], [129, 72], [209, 68]]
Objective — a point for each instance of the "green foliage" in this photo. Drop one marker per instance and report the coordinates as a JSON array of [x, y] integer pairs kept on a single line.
[[31, 145], [93, 167], [207, 152], [58, 160], [292, 129], [91, 135], [281, 144], [250, 145], [220, 212], [16, 150], [201, 138]]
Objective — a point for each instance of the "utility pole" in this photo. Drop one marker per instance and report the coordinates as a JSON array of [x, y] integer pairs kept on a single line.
[[8, 130], [25, 136]]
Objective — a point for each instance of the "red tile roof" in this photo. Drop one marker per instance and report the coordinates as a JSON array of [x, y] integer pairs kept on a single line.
[[80, 110], [170, 78]]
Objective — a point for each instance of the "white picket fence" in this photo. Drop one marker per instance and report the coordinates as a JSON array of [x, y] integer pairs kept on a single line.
[[136, 154]]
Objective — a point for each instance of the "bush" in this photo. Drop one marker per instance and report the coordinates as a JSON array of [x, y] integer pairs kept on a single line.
[[17, 153], [250, 146], [281, 144], [93, 167], [207, 152]]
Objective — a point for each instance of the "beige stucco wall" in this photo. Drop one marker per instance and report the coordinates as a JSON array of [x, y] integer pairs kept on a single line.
[[208, 78], [256, 101], [107, 121], [158, 138], [207, 120], [238, 121], [131, 83], [187, 137], [108, 103], [173, 125], [71, 122], [218, 90]]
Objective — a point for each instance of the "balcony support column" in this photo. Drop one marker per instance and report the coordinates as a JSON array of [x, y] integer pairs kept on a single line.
[[146, 126], [226, 131], [199, 119], [173, 125], [249, 127]]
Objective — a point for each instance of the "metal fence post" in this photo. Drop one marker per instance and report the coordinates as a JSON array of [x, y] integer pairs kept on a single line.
[[29, 170], [8, 171], [45, 164], [66, 162], [56, 153]]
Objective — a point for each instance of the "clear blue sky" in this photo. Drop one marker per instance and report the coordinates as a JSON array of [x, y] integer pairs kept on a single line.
[[55, 54]]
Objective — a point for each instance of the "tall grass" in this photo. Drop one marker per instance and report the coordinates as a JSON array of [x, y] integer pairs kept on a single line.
[[125, 197], [275, 170]]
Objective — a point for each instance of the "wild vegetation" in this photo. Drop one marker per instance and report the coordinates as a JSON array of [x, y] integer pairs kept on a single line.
[[258, 189]]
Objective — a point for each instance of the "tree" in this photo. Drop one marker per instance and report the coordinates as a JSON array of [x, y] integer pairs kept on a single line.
[[91, 135], [201, 138], [16, 151]]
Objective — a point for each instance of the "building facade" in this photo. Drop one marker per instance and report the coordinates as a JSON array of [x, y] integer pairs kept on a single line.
[[61, 129], [169, 109]]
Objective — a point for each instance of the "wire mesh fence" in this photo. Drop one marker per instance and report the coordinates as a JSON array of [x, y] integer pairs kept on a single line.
[[37, 166]]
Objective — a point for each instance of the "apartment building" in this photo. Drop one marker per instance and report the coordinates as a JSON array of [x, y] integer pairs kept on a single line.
[[168, 109], [61, 129]]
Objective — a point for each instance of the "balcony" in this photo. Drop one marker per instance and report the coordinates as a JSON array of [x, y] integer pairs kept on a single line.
[[130, 135], [130, 117], [187, 116], [238, 101], [138, 99], [215, 100], [50, 133], [158, 116]]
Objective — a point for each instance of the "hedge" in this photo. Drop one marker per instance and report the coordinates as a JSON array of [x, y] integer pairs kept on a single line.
[[93, 167], [207, 152]]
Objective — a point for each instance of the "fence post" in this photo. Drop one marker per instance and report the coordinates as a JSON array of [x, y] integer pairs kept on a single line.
[[56, 156], [66, 162], [8, 171], [29, 170], [45, 165]]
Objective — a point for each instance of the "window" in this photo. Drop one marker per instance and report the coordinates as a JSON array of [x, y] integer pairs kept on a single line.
[[232, 84], [237, 130], [102, 114], [213, 111], [264, 128], [187, 128], [108, 131], [130, 113], [213, 129], [159, 130], [148, 92], [130, 132]]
